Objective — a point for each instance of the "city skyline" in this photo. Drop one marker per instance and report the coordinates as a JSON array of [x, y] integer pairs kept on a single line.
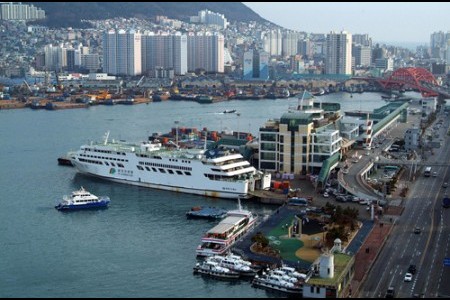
[[384, 22]]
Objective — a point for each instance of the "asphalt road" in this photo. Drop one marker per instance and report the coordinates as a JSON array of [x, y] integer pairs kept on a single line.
[[427, 249]]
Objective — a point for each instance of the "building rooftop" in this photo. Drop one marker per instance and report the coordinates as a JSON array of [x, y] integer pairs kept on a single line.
[[341, 263], [294, 119]]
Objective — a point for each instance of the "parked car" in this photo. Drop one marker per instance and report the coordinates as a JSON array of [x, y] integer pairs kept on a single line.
[[341, 199], [445, 185]]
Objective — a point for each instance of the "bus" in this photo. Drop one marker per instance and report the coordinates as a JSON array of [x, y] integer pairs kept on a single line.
[[427, 172]]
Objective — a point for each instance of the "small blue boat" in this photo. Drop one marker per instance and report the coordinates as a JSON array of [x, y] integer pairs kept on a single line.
[[82, 199], [212, 213]]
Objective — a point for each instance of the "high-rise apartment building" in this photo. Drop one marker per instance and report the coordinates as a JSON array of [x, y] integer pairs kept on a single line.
[[289, 43], [122, 52], [339, 53], [19, 11], [362, 39], [362, 55], [438, 44], [273, 42], [210, 18], [206, 51], [167, 51]]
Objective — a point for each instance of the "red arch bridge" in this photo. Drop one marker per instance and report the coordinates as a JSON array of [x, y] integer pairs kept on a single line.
[[418, 79]]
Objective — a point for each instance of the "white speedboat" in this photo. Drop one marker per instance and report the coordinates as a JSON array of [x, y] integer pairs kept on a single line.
[[213, 269], [276, 282], [234, 263]]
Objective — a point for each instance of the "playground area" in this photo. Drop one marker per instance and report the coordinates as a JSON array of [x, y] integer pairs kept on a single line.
[[298, 237], [292, 246], [295, 238]]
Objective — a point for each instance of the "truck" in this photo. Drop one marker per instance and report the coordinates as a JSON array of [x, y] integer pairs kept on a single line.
[[446, 202]]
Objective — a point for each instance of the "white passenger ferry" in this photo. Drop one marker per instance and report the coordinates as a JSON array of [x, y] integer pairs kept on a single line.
[[219, 239], [149, 164]]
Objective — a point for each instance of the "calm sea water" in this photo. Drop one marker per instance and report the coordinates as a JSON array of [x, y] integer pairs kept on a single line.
[[142, 245]]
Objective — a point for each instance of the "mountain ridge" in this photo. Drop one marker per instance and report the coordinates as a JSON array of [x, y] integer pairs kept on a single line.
[[70, 14]]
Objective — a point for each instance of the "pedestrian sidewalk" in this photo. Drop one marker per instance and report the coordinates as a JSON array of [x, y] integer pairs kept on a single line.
[[367, 255]]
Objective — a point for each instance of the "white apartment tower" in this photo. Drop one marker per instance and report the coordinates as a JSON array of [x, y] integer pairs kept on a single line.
[[273, 42], [168, 51], [211, 18], [339, 53], [206, 51], [122, 52], [19, 11], [289, 44]]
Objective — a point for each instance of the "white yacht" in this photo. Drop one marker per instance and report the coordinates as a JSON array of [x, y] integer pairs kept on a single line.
[[213, 269], [197, 171], [278, 282], [234, 263]]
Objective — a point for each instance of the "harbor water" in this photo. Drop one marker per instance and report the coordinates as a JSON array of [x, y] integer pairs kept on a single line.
[[142, 245]]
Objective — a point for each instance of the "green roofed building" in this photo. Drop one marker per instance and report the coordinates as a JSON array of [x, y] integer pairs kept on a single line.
[[299, 142], [331, 277]]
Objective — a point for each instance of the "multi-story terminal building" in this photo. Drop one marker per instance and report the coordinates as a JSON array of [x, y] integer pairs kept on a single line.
[[122, 52], [299, 142], [205, 51], [167, 51], [19, 11], [339, 53]]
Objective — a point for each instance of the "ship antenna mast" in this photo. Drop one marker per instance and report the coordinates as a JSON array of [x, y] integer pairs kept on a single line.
[[106, 138], [300, 105]]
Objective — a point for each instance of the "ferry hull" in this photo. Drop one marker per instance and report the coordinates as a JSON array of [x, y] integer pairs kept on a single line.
[[209, 173], [178, 189]]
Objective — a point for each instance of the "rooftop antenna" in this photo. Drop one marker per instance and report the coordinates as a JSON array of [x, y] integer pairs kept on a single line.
[[300, 106]]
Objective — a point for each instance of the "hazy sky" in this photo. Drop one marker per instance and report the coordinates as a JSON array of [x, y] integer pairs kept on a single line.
[[383, 21]]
